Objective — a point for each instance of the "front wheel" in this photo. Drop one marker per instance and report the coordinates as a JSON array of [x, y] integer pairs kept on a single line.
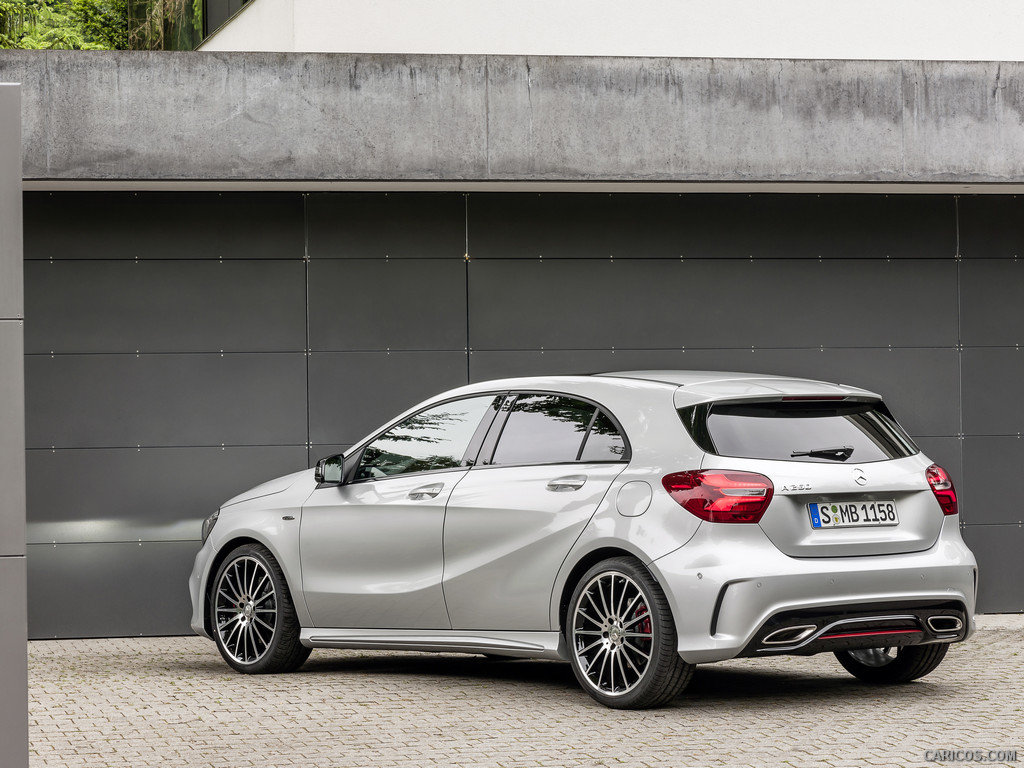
[[892, 665], [253, 618], [621, 637]]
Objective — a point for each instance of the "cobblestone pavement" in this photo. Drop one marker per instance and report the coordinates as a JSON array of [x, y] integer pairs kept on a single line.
[[172, 702]]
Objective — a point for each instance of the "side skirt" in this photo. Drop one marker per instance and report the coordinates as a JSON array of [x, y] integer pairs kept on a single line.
[[535, 645]]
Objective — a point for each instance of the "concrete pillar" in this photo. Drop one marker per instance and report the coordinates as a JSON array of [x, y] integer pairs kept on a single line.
[[13, 614]]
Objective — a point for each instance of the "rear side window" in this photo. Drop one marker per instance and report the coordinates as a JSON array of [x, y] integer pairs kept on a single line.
[[806, 430], [553, 429], [605, 442], [543, 429]]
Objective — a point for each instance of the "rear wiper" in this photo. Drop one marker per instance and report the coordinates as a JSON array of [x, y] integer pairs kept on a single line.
[[836, 454]]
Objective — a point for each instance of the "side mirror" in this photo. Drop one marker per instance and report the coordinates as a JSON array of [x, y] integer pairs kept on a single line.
[[330, 470]]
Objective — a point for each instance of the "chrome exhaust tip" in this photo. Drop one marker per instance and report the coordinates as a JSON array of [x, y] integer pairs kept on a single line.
[[944, 624], [789, 635]]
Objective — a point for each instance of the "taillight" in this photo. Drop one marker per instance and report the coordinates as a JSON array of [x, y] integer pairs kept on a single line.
[[721, 495], [942, 487]]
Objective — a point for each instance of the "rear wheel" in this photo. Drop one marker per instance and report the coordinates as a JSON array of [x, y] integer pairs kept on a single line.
[[893, 665], [621, 637], [252, 615]]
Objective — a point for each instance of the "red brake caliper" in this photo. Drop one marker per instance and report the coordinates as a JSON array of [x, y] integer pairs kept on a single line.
[[645, 625]]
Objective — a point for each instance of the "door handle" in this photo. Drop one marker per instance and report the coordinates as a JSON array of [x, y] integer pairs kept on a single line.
[[567, 483], [425, 491]]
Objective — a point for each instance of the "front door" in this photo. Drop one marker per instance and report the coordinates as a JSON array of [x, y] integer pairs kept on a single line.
[[371, 550]]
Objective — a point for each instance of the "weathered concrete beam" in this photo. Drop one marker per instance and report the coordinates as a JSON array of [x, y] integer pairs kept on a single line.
[[325, 117]]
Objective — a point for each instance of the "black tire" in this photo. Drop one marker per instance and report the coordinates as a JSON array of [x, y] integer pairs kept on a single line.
[[611, 599], [885, 666], [252, 614]]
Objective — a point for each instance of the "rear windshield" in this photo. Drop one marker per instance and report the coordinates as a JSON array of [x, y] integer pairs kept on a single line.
[[807, 430]]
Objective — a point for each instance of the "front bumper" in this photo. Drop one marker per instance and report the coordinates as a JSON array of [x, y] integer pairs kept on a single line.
[[199, 577], [729, 581]]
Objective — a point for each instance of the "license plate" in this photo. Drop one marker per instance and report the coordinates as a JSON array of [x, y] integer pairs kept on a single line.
[[852, 514]]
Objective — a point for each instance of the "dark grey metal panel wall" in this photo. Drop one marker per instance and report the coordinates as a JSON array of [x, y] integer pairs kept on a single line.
[[992, 330], [170, 367], [182, 347], [387, 308], [157, 225], [166, 371]]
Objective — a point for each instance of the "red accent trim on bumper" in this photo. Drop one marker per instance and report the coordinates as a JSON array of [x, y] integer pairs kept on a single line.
[[868, 634]]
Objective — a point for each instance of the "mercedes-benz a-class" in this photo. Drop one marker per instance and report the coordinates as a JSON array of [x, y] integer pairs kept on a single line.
[[634, 524]]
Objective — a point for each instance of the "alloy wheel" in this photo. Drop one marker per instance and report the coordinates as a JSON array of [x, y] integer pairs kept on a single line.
[[612, 633], [246, 610]]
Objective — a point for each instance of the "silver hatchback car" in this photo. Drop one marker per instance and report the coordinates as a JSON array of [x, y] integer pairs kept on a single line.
[[634, 524]]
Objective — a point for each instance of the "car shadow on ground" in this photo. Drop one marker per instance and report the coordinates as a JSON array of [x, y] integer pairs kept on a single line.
[[454, 666], [733, 685], [728, 684]]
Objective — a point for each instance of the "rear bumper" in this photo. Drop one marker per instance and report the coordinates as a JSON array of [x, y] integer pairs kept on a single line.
[[729, 588], [887, 625]]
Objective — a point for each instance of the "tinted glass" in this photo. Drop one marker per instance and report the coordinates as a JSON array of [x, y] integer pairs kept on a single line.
[[543, 429], [819, 431], [604, 443], [436, 438]]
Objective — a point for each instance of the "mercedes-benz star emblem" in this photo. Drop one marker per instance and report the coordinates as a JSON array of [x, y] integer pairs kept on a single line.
[[859, 477]]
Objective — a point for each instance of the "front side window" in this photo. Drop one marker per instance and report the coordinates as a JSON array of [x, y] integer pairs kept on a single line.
[[434, 439], [553, 429]]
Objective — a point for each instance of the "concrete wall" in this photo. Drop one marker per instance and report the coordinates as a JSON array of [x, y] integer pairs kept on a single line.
[[984, 30], [333, 117], [13, 627]]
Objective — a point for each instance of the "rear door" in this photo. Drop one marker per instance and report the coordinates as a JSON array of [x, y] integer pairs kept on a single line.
[[848, 480], [514, 517]]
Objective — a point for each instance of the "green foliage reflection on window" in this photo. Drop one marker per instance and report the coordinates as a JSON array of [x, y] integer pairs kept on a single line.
[[434, 439]]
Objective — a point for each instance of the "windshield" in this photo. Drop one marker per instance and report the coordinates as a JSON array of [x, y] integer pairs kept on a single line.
[[823, 431]]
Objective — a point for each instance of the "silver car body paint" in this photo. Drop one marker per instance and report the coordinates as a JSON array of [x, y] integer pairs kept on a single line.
[[756, 580], [372, 556], [484, 565], [506, 533], [269, 488]]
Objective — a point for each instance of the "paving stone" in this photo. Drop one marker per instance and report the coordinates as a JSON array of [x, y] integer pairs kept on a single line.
[[172, 702]]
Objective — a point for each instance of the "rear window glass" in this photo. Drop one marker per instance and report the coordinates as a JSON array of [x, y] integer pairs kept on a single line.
[[815, 430]]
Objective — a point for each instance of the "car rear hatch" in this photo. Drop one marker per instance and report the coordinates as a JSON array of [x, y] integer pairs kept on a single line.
[[846, 479]]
